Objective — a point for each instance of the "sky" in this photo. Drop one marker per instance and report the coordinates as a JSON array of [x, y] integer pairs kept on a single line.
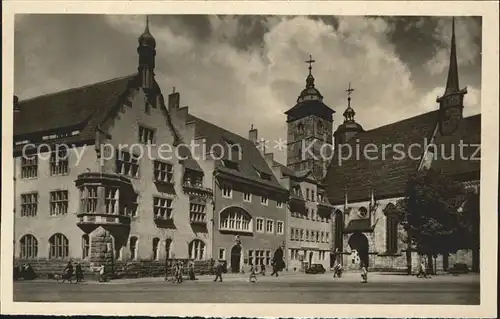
[[238, 71]]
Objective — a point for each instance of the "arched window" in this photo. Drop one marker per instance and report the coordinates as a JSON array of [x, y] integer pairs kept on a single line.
[[58, 246], [235, 219], [29, 247], [85, 246], [391, 234], [156, 242], [133, 247], [196, 250]]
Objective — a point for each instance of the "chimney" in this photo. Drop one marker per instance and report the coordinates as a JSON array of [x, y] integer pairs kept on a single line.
[[173, 100], [252, 135], [17, 108]]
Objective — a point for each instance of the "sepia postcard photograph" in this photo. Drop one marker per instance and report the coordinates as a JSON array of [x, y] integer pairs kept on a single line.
[[250, 158]]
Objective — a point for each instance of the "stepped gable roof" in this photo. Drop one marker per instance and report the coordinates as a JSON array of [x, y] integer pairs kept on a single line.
[[387, 177], [249, 164]]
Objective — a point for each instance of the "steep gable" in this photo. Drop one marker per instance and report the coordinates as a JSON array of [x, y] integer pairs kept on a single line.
[[250, 165]]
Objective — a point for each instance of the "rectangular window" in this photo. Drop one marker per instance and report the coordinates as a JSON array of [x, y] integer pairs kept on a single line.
[[227, 191], [327, 237], [279, 227], [268, 257], [146, 135], [29, 166], [127, 164], [301, 235], [263, 200], [317, 236], [307, 235], [29, 204], [222, 254], [162, 208], [164, 172], [111, 200], [279, 204], [59, 162], [193, 178], [312, 195], [260, 224], [247, 197], [132, 207], [58, 203], [88, 199], [307, 193], [250, 258], [269, 226]]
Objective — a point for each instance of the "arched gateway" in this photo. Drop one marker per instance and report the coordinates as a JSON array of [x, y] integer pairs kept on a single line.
[[359, 242]]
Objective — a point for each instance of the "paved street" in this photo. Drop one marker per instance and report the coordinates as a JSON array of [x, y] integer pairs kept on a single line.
[[288, 288]]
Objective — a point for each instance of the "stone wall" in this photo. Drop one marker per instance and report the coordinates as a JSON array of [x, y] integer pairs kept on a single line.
[[119, 269]]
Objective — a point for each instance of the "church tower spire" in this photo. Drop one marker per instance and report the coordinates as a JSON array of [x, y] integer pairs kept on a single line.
[[147, 53], [349, 128], [452, 84], [451, 103], [310, 92]]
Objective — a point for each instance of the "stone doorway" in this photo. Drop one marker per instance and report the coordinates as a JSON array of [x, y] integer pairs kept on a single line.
[[235, 258], [359, 243]]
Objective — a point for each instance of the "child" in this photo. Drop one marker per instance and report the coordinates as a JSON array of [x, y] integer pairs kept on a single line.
[[253, 275]]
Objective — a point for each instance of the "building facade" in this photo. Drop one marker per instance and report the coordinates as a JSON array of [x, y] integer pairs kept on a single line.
[[365, 191], [93, 182], [248, 225]]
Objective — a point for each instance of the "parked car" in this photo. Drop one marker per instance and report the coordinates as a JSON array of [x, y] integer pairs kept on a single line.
[[459, 269], [315, 269]]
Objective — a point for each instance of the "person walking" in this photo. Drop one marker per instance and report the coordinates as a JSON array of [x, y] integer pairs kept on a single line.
[[218, 271], [102, 274], [253, 274], [79, 272], [364, 273], [275, 268]]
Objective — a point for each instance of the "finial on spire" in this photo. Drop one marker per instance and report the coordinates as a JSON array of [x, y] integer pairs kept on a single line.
[[310, 62], [173, 89], [147, 24], [251, 127]]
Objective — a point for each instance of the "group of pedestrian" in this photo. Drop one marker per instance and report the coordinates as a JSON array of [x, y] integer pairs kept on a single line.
[[69, 271], [25, 272]]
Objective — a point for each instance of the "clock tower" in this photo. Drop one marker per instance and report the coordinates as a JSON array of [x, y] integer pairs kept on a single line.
[[451, 104], [309, 131]]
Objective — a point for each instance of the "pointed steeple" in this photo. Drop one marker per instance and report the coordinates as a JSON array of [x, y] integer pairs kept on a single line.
[[452, 84], [451, 102]]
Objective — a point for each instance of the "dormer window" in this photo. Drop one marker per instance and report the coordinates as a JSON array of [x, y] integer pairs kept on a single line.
[[265, 176], [232, 145], [227, 191], [230, 164]]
